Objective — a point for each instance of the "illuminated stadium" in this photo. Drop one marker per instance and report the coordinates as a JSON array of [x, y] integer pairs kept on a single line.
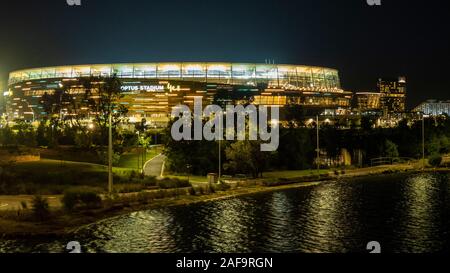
[[151, 89]]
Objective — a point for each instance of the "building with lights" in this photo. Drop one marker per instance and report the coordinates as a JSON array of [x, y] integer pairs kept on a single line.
[[368, 102], [3, 95], [433, 108], [393, 95], [151, 89]]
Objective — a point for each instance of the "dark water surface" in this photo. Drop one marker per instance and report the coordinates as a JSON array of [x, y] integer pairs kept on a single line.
[[404, 212]]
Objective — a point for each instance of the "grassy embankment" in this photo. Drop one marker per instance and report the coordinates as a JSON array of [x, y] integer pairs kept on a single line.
[[63, 222], [19, 222], [54, 176]]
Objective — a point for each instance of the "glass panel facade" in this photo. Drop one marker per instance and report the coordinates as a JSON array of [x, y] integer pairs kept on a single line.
[[287, 76]]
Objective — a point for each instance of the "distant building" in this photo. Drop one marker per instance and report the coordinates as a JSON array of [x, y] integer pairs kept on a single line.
[[368, 102], [3, 93], [393, 95], [434, 107]]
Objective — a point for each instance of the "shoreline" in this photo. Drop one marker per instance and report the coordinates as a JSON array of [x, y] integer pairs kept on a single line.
[[10, 229], [65, 224]]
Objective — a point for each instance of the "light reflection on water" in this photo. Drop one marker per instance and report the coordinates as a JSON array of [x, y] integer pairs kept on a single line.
[[405, 213], [421, 224]]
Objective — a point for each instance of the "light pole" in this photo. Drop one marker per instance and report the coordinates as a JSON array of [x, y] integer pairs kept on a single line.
[[138, 154], [423, 140], [110, 156], [144, 155], [220, 145], [318, 144], [188, 167]]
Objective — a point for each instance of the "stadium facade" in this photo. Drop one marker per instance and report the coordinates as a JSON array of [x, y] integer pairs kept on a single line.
[[151, 89]]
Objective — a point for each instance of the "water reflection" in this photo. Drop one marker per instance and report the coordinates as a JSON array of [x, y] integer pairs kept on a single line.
[[405, 213], [281, 224], [229, 226], [330, 218], [419, 224], [149, 231]]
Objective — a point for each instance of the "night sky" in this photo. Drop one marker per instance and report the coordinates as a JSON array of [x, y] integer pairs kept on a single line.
[[400, 37]]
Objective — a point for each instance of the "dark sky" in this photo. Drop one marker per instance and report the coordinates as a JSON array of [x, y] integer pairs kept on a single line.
[[401, 37]]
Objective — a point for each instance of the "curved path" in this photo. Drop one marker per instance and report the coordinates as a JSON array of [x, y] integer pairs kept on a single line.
[[154, 167]]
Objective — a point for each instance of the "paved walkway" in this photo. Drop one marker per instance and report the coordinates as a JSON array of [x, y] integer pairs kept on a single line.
[[13, 202], [154, 166]]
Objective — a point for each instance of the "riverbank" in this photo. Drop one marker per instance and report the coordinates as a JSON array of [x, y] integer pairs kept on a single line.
[[63, 223]]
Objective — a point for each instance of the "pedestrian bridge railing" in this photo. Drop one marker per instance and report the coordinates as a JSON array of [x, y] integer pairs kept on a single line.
[[389, 160]]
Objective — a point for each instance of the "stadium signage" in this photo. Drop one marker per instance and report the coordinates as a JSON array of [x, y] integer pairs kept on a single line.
[[147, 88], [150, 88]]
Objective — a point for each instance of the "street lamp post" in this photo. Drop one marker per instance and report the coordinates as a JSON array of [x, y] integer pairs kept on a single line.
[[220, 145], [423, 140], [188, 167], [318, 144], [144, 155], [137, 150], [110, 156]]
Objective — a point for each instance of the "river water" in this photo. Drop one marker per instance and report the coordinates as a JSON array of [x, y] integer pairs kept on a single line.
[[403, 212]]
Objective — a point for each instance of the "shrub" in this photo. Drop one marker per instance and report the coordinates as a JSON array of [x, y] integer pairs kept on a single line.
[[128, 188], [132, 175], [144, 197], [222, 187], [168, 183], [90, 199], [41, 208], [24, 205], [69, 200], [435, 160], [82, 197], [150, 181]]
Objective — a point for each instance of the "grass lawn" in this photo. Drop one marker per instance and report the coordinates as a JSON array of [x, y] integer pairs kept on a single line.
[[127, 160], [54, 176], [49, 165], [130, 160], [70, 154]]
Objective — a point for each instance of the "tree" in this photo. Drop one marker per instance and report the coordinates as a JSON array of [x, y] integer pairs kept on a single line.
[[390, 149], [7, 136], [41, 208], [367, 123], [202, 155], [438, 144], [435, 160], [296, 151], [246, 157], [41, 136], [102, 96], [25, 134]]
